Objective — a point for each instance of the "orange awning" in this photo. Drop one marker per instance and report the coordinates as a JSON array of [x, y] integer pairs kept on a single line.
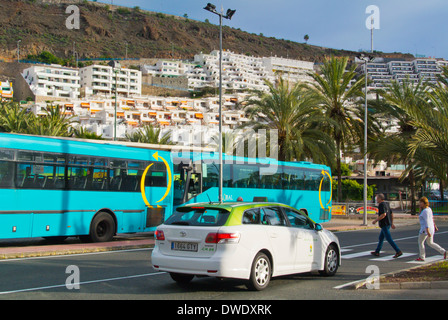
[[130, 102], [165, 123], [121, 114], [199, 115], [152, 113], [85, 105]]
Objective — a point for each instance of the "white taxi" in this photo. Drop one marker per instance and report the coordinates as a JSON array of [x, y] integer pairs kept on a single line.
[[251, 241]]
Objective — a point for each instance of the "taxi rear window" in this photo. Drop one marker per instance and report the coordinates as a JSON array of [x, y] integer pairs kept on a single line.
[[198, 216]]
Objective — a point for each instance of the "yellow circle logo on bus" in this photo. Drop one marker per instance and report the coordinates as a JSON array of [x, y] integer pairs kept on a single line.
[[142, 182], [320, 189]]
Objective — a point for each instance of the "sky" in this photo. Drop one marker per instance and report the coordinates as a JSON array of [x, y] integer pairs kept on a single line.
[[407, 26]]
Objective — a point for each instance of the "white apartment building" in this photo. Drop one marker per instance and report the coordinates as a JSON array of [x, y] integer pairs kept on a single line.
[[98, 79], [97, 114], [53, 81], [239, 71], [6, 90], [293, 70], [382, 73]]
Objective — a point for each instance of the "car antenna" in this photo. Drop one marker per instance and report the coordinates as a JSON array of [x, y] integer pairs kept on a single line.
[[210, 201]]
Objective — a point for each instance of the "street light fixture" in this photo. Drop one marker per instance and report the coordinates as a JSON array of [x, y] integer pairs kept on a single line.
[[366, 59], [115, 69], [229, 14], [18, 50]]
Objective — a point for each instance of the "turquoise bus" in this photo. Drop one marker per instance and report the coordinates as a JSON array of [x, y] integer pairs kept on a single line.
[[62, 187]]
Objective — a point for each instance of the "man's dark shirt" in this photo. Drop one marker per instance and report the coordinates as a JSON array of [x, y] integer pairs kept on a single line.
[[384, 207]]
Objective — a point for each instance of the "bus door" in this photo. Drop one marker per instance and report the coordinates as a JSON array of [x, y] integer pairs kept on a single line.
[[194, 183], [325, 195], [187, 182], [157, 191]]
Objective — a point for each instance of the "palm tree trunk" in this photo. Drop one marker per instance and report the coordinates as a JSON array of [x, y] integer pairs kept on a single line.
[[338, 168], [412, 183]]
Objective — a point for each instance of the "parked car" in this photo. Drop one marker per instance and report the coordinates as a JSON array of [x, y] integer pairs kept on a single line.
[[251, 241]]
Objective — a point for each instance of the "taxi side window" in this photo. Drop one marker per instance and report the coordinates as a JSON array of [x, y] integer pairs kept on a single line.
[[251, 216], [298, 220], [272, 216]]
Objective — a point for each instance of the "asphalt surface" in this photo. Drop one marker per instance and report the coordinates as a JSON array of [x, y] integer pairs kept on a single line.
[[122, 270]]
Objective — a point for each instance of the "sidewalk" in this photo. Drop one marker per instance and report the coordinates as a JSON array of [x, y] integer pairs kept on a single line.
[[120, 243], [355, 222]]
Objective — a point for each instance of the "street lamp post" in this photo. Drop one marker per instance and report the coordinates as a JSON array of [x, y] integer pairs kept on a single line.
[[212, 8], [18, 50], [115, 69], [366, 59]]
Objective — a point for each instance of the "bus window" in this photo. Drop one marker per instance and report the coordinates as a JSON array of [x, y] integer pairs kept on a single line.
[[77, 177], [36, 176], [211, 174], [179, 184], [6, 174], [6, 168], [156, 176], [246, 176], [312, 181]]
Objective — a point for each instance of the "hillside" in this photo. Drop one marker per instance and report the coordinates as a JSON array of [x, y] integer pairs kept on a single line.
[[104, 31]]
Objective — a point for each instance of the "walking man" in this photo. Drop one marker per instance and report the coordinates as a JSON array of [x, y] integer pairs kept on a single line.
[[385, 221]]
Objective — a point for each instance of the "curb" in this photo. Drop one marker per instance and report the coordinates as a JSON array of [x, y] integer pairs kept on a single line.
[[361, 284]]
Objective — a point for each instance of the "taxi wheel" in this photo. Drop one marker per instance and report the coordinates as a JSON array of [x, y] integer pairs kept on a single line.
[[181, 278], [331, 262], [260, 273]]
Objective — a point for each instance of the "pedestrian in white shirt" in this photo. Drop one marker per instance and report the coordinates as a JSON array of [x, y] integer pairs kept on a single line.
[[427, 230]]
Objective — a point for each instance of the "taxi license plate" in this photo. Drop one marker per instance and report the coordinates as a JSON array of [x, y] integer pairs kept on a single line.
[[184, 246]]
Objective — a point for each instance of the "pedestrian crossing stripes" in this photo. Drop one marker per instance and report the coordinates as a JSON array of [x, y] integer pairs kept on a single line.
[[391, 257], [428, 259], [388, 257]]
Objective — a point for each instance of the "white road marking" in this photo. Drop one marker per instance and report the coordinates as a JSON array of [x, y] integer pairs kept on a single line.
[[356, 255], [391, 257], [427, 260], [84, 282], [75, 254]]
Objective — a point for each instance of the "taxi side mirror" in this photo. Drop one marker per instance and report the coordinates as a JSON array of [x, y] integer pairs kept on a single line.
[[318, 227]]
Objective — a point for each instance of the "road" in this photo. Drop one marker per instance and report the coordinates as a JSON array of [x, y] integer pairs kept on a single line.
[[128, 275]]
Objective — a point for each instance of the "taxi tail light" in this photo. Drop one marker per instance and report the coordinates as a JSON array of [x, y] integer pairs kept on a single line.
[[214, 237], [159, 235]]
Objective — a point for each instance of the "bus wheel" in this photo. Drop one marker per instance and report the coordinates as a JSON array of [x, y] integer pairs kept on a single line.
[[102, 228]]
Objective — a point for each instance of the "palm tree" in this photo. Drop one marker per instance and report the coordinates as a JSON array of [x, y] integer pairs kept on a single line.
[[401, 99], [337, 91], [306, 38], [150, 134], [82, 133], [14, 118], [55, 123], [291, 111], [431, 134]]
